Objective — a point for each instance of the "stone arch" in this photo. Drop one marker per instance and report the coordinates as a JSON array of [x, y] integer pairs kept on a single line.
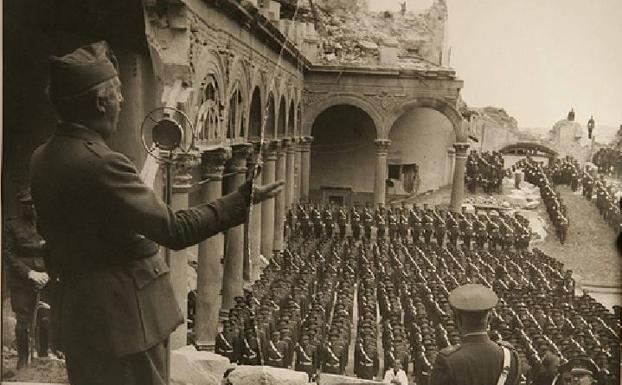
[[537, 147], [257, 92], [291, 119], [239, 81], [433, 103], [270, 120], [314, 110], [255, 115], [281, 123], [210, 96]]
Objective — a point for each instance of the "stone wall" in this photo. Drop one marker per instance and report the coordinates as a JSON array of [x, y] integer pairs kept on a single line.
[[423, 136]]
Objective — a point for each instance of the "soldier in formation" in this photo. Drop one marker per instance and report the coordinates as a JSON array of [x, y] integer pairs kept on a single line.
[[484, 170]]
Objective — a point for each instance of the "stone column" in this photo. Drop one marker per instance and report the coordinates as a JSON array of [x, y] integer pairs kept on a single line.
[[254, 234], [297, 169], [178, 261], [233, 282], [209, 271], [268, 206], [290, 178], [306, 167], [380, 186], [279, 200], [457, 186]]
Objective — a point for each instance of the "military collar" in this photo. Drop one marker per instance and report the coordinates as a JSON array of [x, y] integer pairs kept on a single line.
[[78, 131], [476, 337]]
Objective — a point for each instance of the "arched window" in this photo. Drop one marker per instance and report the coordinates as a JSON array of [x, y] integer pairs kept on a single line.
[[282, 115], [208, 117], [291, 120], [234, 123], [255, 115], [270, 128]]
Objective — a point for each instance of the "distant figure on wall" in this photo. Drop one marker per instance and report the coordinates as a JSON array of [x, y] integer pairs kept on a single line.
[[571, 115], [590, 127]]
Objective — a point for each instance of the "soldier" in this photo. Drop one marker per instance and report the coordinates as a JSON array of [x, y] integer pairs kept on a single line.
[[342, 218], [454, 230], [403, 226], [355, 223], [225, 345], [367, 223], [102, 227], [478, 360], [439, 229], [393, 226], [415, 224], [305, 360], [274, 356], [380, 225], [24, 252], [428, 226]]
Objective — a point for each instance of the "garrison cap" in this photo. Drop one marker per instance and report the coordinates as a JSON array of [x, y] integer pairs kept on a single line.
[[82, 69], [583, 366], [473, 297]]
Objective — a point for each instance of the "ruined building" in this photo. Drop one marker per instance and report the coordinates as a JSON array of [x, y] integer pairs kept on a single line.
[[343, 102]]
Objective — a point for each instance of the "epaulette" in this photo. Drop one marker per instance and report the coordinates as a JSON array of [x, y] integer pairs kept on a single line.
[[506, 344], [450, 350]]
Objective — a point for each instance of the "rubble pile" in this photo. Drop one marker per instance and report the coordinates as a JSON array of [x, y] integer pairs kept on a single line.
[[351, 34], [498, 116]]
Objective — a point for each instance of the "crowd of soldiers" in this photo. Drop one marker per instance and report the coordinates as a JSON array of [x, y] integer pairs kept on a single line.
[[542, 177], [301, 312], [484, 170], [607, 201], [441, 227], [609, 161]]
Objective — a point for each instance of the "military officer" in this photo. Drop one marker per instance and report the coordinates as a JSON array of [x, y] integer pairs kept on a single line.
[[102, 227], [478, 360], [355, 224], [24, 253]]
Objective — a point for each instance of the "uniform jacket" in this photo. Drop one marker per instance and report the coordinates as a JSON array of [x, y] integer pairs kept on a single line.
[[478, 361], [102, 226], [23, 250]]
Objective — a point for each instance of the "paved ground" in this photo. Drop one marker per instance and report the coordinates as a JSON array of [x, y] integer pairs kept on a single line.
[[590, 249]]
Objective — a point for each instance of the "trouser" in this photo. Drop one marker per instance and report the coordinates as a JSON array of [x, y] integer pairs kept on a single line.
[[142, 368], [23, 302]]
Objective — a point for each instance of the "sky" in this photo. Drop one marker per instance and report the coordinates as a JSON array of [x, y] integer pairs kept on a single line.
[[536, 58]]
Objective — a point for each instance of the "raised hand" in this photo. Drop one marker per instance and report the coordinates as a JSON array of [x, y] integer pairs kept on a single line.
[[261, 193]]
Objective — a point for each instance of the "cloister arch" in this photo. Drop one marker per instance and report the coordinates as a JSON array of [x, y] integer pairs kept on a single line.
[[343, 154], [312, 112], [282, 118], [291, 120], [450, 112], [420, 156], [270, 126], [255, 118]]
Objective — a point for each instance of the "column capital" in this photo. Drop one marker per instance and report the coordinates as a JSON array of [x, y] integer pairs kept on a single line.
[[183, 164], [270, 148], [290, 146], [213, 162], [239, 154], [382, 146], [461, 148], [306, 139]]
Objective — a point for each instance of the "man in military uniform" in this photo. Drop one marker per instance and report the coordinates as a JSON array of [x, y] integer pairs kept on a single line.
[[355, 223], [24, 253], [102, 227], [478, 360]]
